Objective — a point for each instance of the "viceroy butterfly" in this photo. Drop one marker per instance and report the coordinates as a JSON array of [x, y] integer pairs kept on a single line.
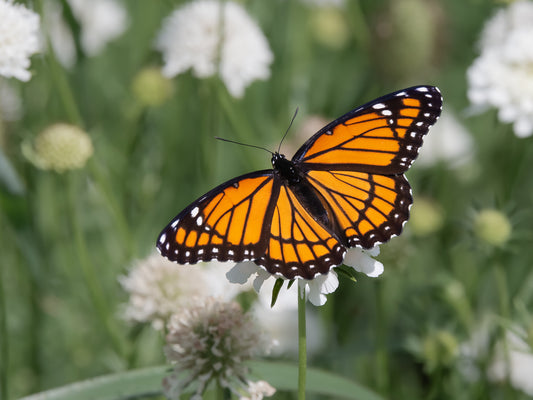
[[343, 188]]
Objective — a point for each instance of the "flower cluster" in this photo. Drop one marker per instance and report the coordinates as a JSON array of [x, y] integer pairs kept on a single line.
[[213, 37], [158, 288], [316, 289], [502, 76], [19, 39], [210, 340]]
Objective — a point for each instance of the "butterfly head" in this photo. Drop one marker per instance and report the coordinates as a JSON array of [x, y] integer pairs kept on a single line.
[[285, 168]]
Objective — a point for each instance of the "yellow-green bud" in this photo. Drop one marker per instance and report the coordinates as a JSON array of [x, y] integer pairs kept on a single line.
[[493, 227], [426, 217], [60, 147], [151, 88], [330, 28]]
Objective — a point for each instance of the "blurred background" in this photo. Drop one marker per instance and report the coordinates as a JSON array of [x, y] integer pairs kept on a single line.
[[79, 208]]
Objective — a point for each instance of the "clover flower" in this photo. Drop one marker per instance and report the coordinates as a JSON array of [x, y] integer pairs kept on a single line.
[[502, 77], [19, 39], [210, 340], [212, 37], [157, 288], [60, 147], [316, 289]]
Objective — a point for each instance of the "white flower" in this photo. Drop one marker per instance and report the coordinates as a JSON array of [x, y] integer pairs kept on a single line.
[[502, 76], [317, 288], [449, 142], [210, 339], [258, 390], [159, 287], [19, 39], [101, 22], [512, 358], [192, 37]]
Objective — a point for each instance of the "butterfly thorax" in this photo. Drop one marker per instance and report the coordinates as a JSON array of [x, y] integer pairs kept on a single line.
[[285, 168]]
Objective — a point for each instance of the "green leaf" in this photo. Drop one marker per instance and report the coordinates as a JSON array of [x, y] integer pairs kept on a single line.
[[9, 177], [275, 291], [347, 272], [284, 376], [146, 382], [124, 385]]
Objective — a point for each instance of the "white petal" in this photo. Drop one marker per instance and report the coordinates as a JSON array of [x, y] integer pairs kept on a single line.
[[262, 276], [361, 262], [241, 272]]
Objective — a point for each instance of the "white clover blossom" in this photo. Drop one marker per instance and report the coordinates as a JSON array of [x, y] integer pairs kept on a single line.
[[210, 340], [157, 288], [19, 39], [502, 75], [192, 37], [317, 288]]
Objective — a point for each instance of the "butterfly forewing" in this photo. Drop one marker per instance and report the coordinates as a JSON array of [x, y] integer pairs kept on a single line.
[[380, 137], [228, 223]]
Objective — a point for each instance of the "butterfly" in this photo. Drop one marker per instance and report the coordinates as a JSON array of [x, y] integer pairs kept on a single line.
[[343, 188]]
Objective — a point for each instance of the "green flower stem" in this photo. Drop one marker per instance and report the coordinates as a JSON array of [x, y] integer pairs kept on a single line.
[[382, 375], [4, 345], [89, 274], [60, 80], [302, 346]]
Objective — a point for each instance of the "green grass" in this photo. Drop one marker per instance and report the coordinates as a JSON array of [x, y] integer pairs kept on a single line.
[[67, 237]]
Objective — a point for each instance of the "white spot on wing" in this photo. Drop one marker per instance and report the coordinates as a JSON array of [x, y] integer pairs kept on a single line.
[[199, 220], [195, 212], [422, 89], [175, 223], [386, 113], [378, 106], [162, 238]]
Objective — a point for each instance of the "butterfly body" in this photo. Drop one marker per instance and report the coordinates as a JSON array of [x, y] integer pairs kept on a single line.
[[343, 188]]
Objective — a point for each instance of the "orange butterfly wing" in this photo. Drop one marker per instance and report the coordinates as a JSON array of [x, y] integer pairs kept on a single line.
[[356, 163], [344, 187], [228, 223]]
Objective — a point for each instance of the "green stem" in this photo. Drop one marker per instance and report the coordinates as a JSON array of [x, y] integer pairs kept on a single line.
[[302, 345], [381, 338], [61, 82], [4, 345], [89, 274]]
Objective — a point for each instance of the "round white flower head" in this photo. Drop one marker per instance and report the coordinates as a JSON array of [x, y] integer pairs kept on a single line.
[[450, 142], [19, 39], [510, 359], [210, 340], [101, 21], [211, 36], [60, 147], [158, 288], [502, 76], [316, 289]]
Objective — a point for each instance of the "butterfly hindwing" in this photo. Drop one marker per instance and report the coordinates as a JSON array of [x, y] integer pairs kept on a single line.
[[297, 244], [368, 208], [381, 137], [228, 223]]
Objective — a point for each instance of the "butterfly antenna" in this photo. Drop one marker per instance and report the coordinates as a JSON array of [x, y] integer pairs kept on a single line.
[[243, 144], [287, 131]]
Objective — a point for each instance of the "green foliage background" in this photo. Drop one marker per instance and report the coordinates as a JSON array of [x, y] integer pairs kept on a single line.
[[67, 237]]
